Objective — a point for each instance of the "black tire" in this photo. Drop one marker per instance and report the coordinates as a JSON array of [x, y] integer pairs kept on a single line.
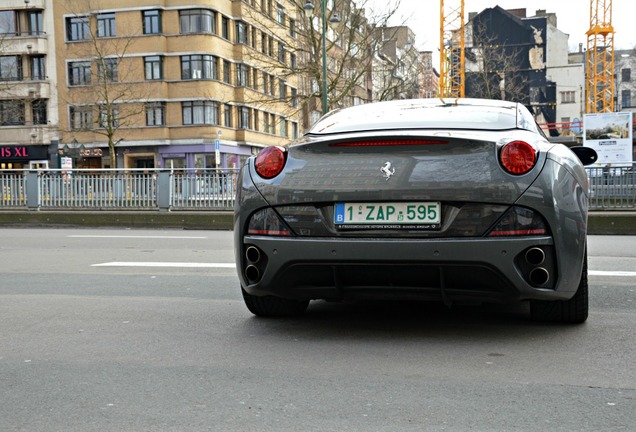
[[271, 306], [573, 311]]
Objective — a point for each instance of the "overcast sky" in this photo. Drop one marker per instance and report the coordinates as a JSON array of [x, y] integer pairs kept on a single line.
[[573, 18]]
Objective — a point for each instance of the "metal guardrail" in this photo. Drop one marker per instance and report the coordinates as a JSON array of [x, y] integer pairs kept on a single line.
[[203, 189], [612, 188], [207, 189]]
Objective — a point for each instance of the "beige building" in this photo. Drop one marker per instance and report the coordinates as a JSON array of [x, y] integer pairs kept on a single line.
[[28, 115], [172, 83]]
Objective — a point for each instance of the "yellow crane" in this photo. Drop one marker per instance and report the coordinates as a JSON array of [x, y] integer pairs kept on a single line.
[[452, 40], [599, 59]]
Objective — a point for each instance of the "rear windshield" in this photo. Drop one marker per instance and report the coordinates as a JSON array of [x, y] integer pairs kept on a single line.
[[390, 116]]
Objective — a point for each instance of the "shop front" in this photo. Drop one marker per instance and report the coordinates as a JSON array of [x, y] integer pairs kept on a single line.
[[203, 156], [24, 157]]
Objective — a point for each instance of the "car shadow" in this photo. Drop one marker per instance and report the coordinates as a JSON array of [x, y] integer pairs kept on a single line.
[[408, 321]]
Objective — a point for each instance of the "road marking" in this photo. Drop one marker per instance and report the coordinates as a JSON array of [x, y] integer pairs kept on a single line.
[[137, 237], [165, 264], [611, 273]]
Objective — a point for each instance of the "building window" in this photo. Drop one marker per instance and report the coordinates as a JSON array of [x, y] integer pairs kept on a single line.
[[294, 97], [292, 61], [35, 23], [152, 21], [225, 28], [200, 112], [10, 68], [282, 89], [241, 32], [626, 98], [626, 75], [244, 118], [153, 66], [108, 118], [38, 68], [281, 52], [107, 70], [106, 25], [38, 107], [156, 114], [227, 77], [11, 113], [81, 117], [568, 96], [294, 127], [8, 23], [283, 127], [77, 28], [292, 28], [79, 73], [227, 115], [280, 14], [198, 67], [242, 75], [197, 21]]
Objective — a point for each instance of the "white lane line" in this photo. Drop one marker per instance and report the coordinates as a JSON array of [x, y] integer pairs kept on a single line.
[[611, 273], [164, 264], [136, 237]]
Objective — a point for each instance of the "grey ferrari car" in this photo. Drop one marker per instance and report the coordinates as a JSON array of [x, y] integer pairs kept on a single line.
[[449, 200]]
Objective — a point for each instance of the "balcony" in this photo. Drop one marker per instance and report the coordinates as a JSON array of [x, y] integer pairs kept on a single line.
[[26, 90]]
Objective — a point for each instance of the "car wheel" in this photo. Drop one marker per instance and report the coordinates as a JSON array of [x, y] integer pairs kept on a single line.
[[271, 306], [573, 311]]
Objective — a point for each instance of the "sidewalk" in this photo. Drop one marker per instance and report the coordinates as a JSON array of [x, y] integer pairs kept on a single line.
[[600, 222]]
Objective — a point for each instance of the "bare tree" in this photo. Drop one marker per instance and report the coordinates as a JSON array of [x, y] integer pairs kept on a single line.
[[296, 57], [106, 91]]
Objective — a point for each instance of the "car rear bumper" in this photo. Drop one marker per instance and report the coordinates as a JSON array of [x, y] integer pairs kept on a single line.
[[450, 270]]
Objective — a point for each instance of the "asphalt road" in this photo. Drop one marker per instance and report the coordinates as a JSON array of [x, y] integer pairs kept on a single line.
[[145, 330]]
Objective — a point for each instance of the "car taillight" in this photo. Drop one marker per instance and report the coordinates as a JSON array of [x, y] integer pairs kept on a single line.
[[519, 221], [270, 161], [267, 222], [518, 157]]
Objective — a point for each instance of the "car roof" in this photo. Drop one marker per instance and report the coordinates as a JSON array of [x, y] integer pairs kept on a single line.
[[434, 113]]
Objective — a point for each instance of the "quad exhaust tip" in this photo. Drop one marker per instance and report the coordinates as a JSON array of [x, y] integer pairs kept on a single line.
[[252, 274], [253, 255], [535, 256], [539, 276]]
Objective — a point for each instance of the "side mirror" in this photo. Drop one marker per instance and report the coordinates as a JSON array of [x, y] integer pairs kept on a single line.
[[586, 155]]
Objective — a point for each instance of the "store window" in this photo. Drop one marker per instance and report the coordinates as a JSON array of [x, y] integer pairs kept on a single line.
[[203, 160]]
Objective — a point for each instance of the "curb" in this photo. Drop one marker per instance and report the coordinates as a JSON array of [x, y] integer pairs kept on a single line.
[[599, 223]]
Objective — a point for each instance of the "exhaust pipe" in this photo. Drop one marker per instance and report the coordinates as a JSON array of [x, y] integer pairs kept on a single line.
[[539, 276], [535, 256], [252, 274], [252, 254]]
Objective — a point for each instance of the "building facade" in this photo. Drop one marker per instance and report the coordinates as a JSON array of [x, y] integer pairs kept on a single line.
[[28, 114], [173, 84]]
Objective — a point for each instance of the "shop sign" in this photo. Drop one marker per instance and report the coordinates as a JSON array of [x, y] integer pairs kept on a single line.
[[9, 153]]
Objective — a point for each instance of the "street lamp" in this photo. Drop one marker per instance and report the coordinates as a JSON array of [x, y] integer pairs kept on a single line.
[[309, 10]]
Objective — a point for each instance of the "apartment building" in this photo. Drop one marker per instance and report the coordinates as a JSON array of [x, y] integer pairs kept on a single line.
[[173, 83], [28, 106]]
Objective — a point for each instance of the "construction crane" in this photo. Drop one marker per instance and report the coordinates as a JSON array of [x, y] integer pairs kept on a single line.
[[452, 41], [599, 59]]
